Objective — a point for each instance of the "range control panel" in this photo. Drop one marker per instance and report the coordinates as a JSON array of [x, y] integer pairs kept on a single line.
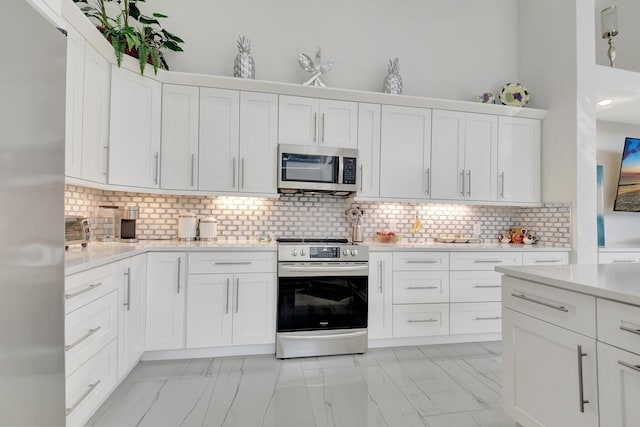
[[302, 252]]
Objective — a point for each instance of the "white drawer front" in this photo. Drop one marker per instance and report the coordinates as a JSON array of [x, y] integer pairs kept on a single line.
[[88, 329], [415, 320], [420, 261], [545, 258], [619, 325], [475, 286], [88, 386], [232, 262], [618, 387], [476, 318], [570, 310], [87, 286], [484, 260], [619, 257], [411, 287]]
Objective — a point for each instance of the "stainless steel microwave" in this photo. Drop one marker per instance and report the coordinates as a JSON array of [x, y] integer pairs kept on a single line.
[[309, 168]]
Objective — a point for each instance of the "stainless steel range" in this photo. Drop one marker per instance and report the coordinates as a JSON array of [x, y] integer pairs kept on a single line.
[[322, 297]]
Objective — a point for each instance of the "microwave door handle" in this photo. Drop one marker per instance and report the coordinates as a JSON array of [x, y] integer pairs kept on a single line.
[[340, 170]]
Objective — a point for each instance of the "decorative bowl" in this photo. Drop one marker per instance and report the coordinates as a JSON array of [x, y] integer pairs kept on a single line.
[[390, 237], [514, 94]]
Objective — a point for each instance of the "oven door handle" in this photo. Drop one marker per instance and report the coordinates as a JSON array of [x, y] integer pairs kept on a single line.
[[327, 337], [324, 269]]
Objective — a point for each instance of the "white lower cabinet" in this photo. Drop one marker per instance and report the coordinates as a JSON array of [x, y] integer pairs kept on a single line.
[[132, 298], [380, 295], [414, 320], [475, 318], [550, 376], [619, 386], [166, 277]]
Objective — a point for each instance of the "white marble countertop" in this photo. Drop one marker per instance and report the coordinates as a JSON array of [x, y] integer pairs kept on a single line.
[[618, 282], [375, 246], [78, 259], [629, 248]]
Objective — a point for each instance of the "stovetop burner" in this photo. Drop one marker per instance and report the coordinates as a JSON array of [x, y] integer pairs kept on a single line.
[[291, 240]]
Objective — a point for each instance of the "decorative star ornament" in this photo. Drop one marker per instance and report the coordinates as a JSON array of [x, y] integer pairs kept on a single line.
[[316, 68]]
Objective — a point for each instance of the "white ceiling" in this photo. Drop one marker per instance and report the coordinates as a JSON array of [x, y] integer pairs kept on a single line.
[[621, 86]]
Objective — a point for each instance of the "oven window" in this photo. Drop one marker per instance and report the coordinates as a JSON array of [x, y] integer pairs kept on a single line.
[[312, 303], [310, 168]]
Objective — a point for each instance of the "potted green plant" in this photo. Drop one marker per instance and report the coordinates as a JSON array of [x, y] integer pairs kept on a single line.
[[132, 33]]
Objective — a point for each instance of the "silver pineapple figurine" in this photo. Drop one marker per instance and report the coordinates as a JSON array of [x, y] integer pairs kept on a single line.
[[393, 81], [244, 66]]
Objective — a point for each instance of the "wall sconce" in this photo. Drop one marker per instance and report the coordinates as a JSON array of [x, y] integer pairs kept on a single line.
[[609, 27]]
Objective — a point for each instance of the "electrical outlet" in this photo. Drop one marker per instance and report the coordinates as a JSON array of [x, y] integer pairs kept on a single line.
[[476, 229]]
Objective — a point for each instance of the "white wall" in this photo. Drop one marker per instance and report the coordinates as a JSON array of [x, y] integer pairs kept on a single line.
[[626, 42], [447, 49], [621, 228]]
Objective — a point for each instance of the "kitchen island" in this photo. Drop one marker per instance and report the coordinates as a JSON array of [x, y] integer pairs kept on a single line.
[[571, 344]]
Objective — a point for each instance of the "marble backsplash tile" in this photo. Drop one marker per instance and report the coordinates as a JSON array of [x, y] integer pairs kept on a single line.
[[322, 216]]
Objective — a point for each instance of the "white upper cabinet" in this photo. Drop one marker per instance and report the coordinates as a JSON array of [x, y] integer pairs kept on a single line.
[[312, 121], [134, 146], [464, 150], [87, 111], [179, 150], [518, 160], [405, 151], [369, 150], [258, 142], [219, 140]]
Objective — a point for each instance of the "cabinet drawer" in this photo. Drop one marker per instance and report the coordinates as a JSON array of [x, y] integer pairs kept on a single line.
[[90, 384], [420, 261], [232, 262], [87, 286], [619, 324], [570, 310], [619, 257], [88, 329], [410, 287], [475, 286], [545, 258], [414, 320], [476, 318], [618, 386], [484, 260]]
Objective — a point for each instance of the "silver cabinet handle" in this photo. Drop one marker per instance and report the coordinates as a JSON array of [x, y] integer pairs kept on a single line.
[[546, 304], [232, 262], [82, 338], [422, 261], [82, 291], [361, 178], [487, 318], [547, 260], [237, 294], [462, 183], [624, 261], [427, 184], [423, 287], [233, 172], [155, 175], [315, 127], [469, 178], [106, 163], [487, 261], [242, 172], [580, 379], [179, 268], [380, 276], [633, 331], [322, 129], [226, 310], [486, 286], [84, 396], [422, 321], [502, 185], [128, 274], [629, 365], [193, 169]]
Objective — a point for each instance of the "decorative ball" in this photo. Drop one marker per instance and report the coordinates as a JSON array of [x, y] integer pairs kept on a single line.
[[514, 94], [487, 98]]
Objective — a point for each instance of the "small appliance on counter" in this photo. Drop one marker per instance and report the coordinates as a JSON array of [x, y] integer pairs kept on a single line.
[[187, 226], [208, 229], [128, 218], [106, 223], [357, 230], [76, 231]]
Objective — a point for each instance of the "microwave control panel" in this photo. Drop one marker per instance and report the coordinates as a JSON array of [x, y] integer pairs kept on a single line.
[[349, 170]]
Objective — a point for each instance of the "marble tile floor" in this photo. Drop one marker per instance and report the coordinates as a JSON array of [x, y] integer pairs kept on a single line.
[[453, 385]]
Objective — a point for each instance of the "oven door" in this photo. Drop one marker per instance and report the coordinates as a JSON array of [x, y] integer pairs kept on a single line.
[[322, 296]]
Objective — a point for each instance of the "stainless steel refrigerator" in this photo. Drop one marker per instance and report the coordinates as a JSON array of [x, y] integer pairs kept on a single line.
[[32, 105]]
